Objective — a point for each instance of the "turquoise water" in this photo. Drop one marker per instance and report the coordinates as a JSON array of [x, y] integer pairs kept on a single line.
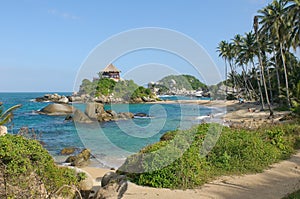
[[110, 142]]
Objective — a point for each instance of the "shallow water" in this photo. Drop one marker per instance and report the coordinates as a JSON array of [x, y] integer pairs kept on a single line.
[[110, 142]]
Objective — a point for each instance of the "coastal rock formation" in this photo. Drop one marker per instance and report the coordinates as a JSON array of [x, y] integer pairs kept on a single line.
[[68, 151], [81, 159], [97, 111], [53, 98], [92, 110], [56, 109], [3, 130], [80, 117], [112, 186]]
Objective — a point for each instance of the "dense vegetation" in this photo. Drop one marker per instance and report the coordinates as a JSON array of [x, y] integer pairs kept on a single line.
[[263, 62], [187, 82], [25, 166], [176, 161], [125, 89]]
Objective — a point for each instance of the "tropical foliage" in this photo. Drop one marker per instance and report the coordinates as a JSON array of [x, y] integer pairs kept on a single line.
[[7, 115], [179, 82], [178, 161], [125, 89], [263, 62], [25, 167]]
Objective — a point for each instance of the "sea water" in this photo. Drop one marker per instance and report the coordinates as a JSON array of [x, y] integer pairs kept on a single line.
[[110, 142]]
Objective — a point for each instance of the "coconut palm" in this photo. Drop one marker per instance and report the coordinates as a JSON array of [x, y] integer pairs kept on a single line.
[[255, 25], [6, 116], [274, 21], [293, 13], [223, 52]]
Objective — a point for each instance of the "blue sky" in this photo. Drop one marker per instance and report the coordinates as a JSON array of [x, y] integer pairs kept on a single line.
[[44, 43]]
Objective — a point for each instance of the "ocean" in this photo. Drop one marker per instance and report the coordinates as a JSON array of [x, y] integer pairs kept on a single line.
[[110, 142]]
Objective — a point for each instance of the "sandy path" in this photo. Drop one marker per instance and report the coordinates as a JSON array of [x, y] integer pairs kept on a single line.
[[281, 179]]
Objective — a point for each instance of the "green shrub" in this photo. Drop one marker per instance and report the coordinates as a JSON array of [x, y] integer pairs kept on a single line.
[[23, 157], [179, 159]]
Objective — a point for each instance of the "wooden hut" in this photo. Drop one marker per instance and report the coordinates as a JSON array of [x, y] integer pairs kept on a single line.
[[111, 72]]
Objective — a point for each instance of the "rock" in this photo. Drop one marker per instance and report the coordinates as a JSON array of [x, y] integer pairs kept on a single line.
[[69, 118], [85, 186], [125, 115], [112, 186], [56, 109], [80, 117], [3, 130], [92, 110], [63, 100], [71, 159], [81, 159], [67, 151], [112, 113], [141, 115]]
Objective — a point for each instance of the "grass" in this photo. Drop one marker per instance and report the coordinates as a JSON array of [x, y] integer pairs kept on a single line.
[[185, 159], [295, 195]]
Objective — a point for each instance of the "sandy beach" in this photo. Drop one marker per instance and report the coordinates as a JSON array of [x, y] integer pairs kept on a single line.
[[276, 182]]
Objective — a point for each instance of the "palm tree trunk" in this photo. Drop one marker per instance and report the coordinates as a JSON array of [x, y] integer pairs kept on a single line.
[[285, 75], [270, 86], [264, 81], [226, 88], [277, 71], [259, 89], [245, 81]]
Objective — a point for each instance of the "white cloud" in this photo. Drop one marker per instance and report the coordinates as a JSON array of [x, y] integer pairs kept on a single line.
[[64, 15]]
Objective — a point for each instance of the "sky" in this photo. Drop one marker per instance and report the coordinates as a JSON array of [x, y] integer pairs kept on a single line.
[[46, 45]]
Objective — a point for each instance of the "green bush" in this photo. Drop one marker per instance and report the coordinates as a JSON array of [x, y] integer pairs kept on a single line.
[[23, 157], [176, 161]]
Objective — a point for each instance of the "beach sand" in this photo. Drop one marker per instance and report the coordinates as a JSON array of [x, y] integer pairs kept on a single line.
[[282, 178]]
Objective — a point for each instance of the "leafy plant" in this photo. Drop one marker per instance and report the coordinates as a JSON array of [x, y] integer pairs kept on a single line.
[[7, 115], [23, 159], [235, 152]]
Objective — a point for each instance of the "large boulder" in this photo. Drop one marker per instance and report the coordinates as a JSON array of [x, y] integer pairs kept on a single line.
[[56, 109], [82, 159], [3, 130], [112, 186], [80, 117], [92, 110], [63, 100], [68, 151]]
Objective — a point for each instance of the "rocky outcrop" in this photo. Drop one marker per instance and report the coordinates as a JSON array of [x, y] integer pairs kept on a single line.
[[68, 151], [81, 159], [92, 110], [80, 117], [97, 111], [3, 130], [53, 98], [56, 109], [112, 186]]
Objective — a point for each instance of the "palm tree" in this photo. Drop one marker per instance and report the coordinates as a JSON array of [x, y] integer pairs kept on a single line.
[[273, 20], [222, 49], [255, 25], [6, 116], [293, 12]]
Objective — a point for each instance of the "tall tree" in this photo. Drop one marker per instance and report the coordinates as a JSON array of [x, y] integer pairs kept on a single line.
[[273, 19], [255, 25], [223, 52]]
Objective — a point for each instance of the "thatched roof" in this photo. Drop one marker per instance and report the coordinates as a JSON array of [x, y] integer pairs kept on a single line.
[[110, 68]]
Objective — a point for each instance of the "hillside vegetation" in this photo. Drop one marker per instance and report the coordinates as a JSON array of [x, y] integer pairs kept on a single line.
[[126, 90], [179, 82]]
